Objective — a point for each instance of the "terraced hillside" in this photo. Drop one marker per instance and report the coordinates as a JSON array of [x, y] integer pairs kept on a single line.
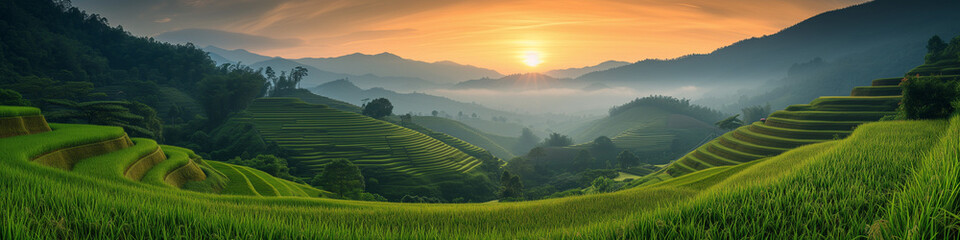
[[499, 146], [105, 152], [824, 119], [401, 160], [782, 197], [646, 129]]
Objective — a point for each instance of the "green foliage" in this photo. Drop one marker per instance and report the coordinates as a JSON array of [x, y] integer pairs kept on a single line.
[[604, 185], [378, 108], [511, 186], [229, 91], [668, 103], [527, 141], [136, 118], [282, 85], [755, 113], [557, 140], [270, 164], [929, 97], [340, 176], [12, 98], [730, 123], [626, 159]]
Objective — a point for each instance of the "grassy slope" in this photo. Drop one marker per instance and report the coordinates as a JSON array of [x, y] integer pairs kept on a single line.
[[317, 134], [825, 118], [497, 145], [835, 189], [644, 129]]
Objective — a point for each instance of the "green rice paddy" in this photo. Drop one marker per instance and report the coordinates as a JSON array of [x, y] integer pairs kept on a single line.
[[892, 179]]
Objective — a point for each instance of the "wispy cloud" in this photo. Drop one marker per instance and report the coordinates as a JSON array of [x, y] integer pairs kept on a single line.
[[487, 33]]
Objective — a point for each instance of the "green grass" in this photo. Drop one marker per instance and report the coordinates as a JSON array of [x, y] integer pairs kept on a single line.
[[317, 134], [16, 111], [497, 145], [176, 158], [239, 184], [837, 189], [830, 190], [825, 118], [113, 165]]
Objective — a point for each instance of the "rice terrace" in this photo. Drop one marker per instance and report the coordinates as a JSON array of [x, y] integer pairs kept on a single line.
[[413, 119]]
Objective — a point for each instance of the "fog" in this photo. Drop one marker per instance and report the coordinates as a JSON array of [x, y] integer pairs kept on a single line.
[[562, 100]]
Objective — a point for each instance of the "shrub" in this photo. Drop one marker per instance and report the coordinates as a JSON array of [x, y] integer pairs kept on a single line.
[[929, 97]]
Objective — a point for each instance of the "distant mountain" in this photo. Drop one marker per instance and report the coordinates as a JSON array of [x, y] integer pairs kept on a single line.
[[316, 77], [891, 24], [219, 60], [417, 103], [577, 72], [235, 56], [387, 64], [526, 81]]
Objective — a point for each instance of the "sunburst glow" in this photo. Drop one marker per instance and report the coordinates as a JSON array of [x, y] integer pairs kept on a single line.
[[532, 59]]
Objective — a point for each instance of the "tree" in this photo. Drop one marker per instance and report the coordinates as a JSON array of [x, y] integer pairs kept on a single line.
[[730, 123], [406, 119], [434, 113], [228, 92], [378, 108], [12, 98], [558, 140], [755, 113], [583, 161], [340, 176], [270, 164], [512, 186], [526, 141], [626, 159], [604, 147], [137, 119]]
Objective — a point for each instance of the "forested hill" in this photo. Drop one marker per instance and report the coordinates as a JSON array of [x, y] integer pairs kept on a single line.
[[60, 57], [880, 24]]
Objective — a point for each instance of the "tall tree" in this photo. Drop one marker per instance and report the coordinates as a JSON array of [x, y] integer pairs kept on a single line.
[[229, 92], [511, 185], [526, 141], [340, 176], [558, 140], [626, 159], [378, 108]]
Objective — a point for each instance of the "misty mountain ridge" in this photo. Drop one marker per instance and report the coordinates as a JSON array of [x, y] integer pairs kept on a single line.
[[234, 56], [519, 82], [316, 77], [829, 36], [388, 64], [577, 72], [417, 103]]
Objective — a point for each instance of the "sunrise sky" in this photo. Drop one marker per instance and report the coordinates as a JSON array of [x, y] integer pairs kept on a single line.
[[507, 36]]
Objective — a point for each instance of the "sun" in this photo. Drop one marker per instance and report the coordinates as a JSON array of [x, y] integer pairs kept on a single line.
[[531, 59]]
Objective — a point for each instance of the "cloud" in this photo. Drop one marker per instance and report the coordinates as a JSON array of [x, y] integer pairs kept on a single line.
[[485, 33], [162, 20], [227, 40]]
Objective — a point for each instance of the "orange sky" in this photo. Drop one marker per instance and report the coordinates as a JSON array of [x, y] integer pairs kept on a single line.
[[495, 34]]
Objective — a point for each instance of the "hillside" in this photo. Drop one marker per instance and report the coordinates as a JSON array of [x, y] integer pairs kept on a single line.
[[402, 161], [824, 119], [577, 72], [108, 155], [417, 103], [519, 82], [316, 76], [865, 172], [390, 65], [830, 36], [499, 146]]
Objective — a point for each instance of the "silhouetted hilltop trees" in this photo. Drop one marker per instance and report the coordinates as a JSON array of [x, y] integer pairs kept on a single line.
[[671, 104]]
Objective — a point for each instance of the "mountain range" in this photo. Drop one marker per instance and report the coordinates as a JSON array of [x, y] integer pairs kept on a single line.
[[577, 72], [880, 24]]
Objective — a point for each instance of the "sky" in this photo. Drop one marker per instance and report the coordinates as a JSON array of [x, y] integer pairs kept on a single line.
[[508, 36]]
